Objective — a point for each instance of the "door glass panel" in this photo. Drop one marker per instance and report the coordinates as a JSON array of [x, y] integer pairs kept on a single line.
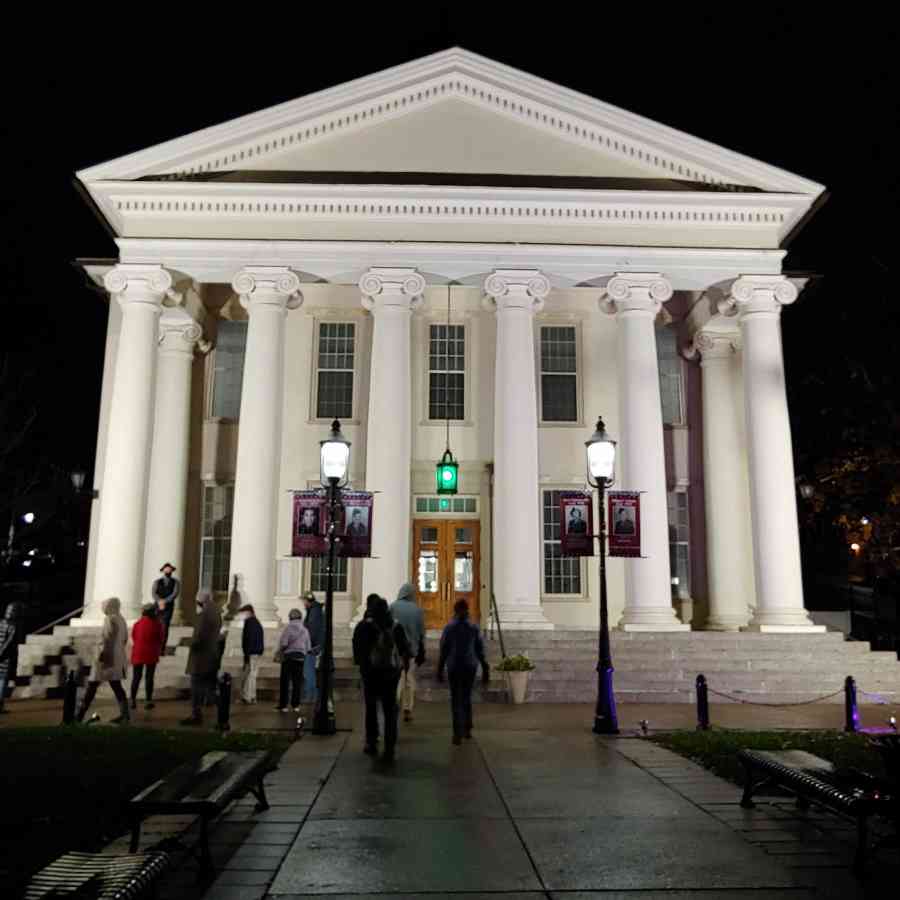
[[463, 535], [429, 536], [462, 573], [428, 571]]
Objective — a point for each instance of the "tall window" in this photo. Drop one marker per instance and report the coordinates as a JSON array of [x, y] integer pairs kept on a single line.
[[215, 551], [670, 382], [679, 547], [334, 386], [562, 574], [228, 369], [446, 372], [559, 379], [318, 580]]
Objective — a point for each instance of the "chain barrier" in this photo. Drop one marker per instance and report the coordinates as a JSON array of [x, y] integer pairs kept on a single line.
[[794, 703], [876, 698]]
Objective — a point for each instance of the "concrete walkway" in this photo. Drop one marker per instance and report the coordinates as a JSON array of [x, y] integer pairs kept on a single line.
[[528, 809]]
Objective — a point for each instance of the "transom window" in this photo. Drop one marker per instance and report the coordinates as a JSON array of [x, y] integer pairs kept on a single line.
[[335, 362], [679, 542], [559, 378], [446, 372], [215, 548], [228, 369], [562, 574], [446, 504], [318, 577], [670, 377]]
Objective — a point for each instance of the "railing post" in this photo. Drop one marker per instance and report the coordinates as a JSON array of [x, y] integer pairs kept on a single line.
[[70, 697], [224, 722], [702, 704], [851, 709]]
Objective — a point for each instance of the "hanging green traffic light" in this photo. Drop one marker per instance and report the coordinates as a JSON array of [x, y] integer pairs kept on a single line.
[[447, 474]]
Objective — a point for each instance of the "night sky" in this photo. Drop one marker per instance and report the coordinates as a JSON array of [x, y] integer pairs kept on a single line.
[[814, 95]]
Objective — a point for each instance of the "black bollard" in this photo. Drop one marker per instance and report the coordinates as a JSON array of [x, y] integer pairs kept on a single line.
[[224, 722], [851, 710], [70, 698], [702, 704]]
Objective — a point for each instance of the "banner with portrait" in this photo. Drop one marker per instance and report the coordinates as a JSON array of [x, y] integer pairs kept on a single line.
[[576, 523], [355, 529], [309, 515], [624, 528]]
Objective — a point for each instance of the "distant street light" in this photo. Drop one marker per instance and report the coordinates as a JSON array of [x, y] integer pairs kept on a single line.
[[78, 476], [28, 518]]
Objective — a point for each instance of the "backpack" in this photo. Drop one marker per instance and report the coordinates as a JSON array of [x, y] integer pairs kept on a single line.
[[383, 657]]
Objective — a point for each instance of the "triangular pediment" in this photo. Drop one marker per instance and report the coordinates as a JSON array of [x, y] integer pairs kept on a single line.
[[451, 112]]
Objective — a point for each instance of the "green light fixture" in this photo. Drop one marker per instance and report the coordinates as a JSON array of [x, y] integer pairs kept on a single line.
[[446, 472]]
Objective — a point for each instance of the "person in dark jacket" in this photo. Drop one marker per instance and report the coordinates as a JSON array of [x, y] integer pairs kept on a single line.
[[147, 637], [315, 625], [165, 592], [253, 645], [461, 650], [10, 636], [203, 658], [381, 651]]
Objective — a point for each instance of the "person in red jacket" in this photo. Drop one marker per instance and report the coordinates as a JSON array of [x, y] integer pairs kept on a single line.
[[147, 637]]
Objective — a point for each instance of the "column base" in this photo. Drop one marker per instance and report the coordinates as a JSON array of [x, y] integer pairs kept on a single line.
[[522, 617], [785, 629], [651, 620], [784, 622], [726, 622], [662, 626]]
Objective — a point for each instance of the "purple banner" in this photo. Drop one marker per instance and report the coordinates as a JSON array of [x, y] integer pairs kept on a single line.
[[576, 523], [624, 523], [355, 527], [308, 533]]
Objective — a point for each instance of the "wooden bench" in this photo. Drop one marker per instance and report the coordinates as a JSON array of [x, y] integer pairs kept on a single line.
[[93, 876], [203, 788], [849, 793]]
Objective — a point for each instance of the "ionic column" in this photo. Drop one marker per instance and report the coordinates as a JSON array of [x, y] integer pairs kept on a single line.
[[167, 496], [267, 293], [516, 295], [390, 295], [757, 300], [140, 291], [729, 548], [636, 300]]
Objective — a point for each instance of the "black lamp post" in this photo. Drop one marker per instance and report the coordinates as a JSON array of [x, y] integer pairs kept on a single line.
[[601, 469], [334, 459]]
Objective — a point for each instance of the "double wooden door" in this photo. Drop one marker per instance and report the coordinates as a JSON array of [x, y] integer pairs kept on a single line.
[[445, 567]]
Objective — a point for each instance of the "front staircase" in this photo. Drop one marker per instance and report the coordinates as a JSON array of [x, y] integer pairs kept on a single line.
[[649, 668]]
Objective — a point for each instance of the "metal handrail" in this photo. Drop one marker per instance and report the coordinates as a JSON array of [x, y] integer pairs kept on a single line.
[[495, 616], [67, 615]]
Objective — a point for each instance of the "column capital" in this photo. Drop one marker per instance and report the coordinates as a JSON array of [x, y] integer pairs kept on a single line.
[[179, 338], [392, 287], [713, 345], [758, 295], [150, 285], [636, 292], [274, 286], [516, 289]]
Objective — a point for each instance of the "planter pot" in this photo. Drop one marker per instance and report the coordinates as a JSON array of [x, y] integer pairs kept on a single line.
[[518, 685]]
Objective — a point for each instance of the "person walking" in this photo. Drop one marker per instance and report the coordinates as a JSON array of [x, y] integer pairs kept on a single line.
[[294, 648], [166, 590], [110, 662], [381, 651], [147, 637], [461, 649], [315, 625], [253, 644], [204, 655], [406, 612], [10, 635]]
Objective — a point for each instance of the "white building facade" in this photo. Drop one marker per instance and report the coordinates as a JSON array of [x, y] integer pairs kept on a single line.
[[449, 246]]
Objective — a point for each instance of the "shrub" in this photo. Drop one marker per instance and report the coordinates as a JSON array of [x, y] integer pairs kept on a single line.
[[516, 663]]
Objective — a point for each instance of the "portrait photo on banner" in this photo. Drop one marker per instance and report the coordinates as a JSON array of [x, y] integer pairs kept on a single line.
[[624, 523], [576, 523], [308, 533], [356, 533]]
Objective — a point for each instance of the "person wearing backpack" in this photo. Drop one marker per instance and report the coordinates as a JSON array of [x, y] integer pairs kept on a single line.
[[382, 652], [461, 650]]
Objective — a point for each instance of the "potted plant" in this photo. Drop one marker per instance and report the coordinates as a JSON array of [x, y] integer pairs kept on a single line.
[[517, 668]]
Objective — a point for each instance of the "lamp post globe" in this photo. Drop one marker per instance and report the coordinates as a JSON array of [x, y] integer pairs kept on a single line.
[[78, 476], [334, 457], [600, 452]]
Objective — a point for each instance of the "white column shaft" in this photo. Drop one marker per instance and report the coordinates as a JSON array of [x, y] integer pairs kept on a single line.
[[776, 543], [516, 296], [390, 295], [636, 300], [267, 294], [120, 535], [167, 496], [726, 493]]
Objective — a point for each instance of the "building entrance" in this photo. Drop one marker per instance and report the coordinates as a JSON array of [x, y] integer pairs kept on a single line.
[[445, 567]]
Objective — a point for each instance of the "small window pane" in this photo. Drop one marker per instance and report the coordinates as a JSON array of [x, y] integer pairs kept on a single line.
[[679, 543], [559, 380], [464, 535], [670, 377], [215, 546], [318, 580], [462, 572], [446, 372], [429, 535], [428, 571], [228, 369], [421, 504]]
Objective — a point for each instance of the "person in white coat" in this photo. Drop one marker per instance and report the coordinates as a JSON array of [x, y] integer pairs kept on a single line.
[[110, 661]]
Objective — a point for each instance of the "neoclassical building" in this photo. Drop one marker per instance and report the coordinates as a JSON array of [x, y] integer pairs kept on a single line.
[[450, 247]]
